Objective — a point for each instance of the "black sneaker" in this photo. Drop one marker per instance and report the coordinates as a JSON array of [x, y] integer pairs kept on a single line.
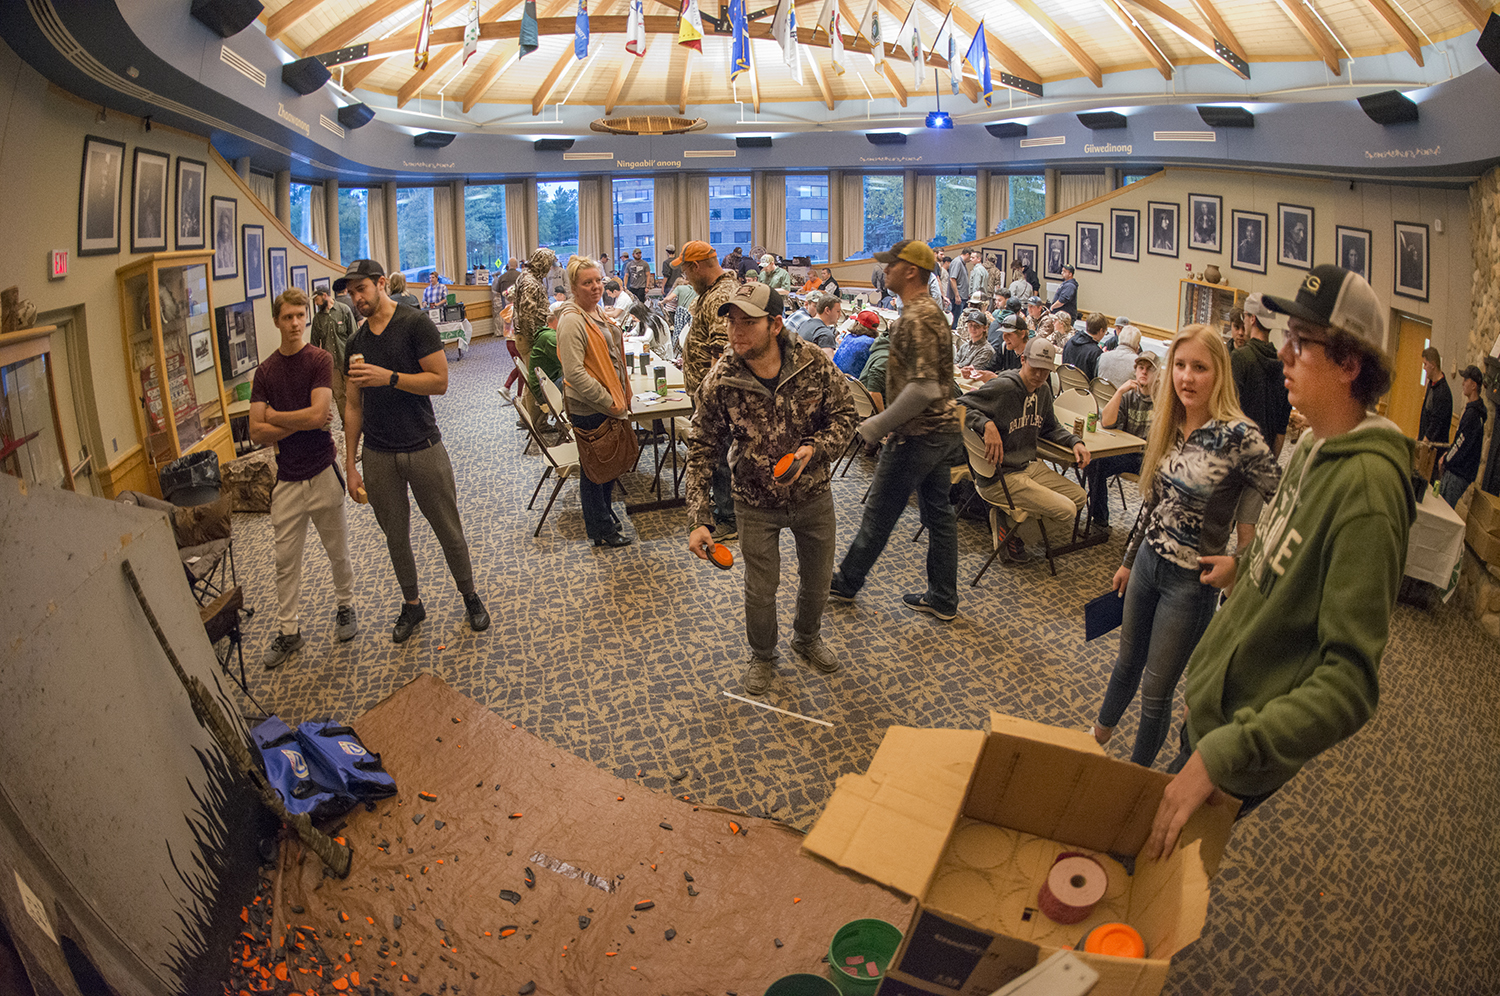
[[407, 621], [345, 626], [919, 603], [280, 649], [838, 591], [479, 619]]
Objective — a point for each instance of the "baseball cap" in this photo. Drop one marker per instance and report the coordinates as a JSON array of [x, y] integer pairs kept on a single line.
[[1121, 322], [977, 297], [671, 250], [695, 252], [868, 319], [1147, 357], [910, 251], [1333, 296], [754, 300], [1013, 321], [1471, 372], [1041, 354], [767, 258], [1034, 301], [974, 315], [358, 270], [1255, 306]]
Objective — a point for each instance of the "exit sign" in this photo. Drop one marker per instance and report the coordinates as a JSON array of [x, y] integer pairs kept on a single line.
[[59, 261]]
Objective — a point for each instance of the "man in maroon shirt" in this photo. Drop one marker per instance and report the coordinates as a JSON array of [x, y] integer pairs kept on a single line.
[[290, 406]]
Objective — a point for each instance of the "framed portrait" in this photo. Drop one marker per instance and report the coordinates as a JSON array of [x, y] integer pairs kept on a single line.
[[225, 219], [191, 184], [321, 283], [1057, 254], [255, 261], [1125, 234], [1353, 248], [995, 260], [1090, 246], [1294, 224], [1205, 210], [1411, 260], [201, 346], [1163, 216], [276, 264], [238, 354], [1025, 255], [299, 280], [148, 201], [1248, 229], [99, 182]]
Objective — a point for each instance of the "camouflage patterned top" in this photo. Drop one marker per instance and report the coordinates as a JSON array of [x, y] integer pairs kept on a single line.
[[922, 349], [811, 405], [708, 336], [1055, 325]]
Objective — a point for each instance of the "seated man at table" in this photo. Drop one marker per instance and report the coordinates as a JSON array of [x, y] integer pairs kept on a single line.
[[824, 311], [974, 349], [854, 351], [1129, 410], [1013, 338], [1010, 413]]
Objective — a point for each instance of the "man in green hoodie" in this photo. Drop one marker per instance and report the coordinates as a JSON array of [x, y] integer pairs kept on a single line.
[[1289, 666]]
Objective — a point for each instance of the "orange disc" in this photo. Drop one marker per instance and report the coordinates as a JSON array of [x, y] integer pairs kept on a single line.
[[721, 556], [784, 464], [1118, 939]]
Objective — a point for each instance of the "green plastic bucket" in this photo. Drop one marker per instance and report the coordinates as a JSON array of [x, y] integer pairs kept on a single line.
[[802, 985], [858, 944]]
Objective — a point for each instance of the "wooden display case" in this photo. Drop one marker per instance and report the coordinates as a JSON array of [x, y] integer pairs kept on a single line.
[[1202, 303], [32, 445], [166, 320]]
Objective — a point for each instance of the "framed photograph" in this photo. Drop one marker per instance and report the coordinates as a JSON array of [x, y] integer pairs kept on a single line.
[[201, 346], [276, 263], [226, 250], [1125, 234], [1025, 255], [1205, 211], [255, 261], [1090, 246], [1411, 260], [1163, 216], [1057, 254], [1353, 248], [191, 177], [237, 348], [148, 201], [1249, 232], [321, 283], [1295, 227], [995, 260], [99, 181], [299, 280]]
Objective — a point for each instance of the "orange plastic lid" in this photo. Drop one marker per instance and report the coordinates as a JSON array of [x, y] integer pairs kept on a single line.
[[1118, 939], [721, 556], [785, 464]]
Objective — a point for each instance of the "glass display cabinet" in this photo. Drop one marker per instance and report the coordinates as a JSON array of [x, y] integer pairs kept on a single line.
[[32, 446]]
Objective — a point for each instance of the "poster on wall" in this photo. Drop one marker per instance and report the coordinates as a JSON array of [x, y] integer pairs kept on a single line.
[[1249, 233], [1057, 255], [202, 350], [255, 261], [321, 284], [1294, 247], [1163, 217], [226, 250], [238, 353], [1205, 210], [1090, 246], [1411, 260], [1353, 248], [148, 201], [1026, 256], [99, 183], [299, 279], [1124, 230], [276, 262], [191, 175]]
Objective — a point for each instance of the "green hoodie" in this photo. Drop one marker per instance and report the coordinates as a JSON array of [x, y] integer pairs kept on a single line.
[[1288, 667]]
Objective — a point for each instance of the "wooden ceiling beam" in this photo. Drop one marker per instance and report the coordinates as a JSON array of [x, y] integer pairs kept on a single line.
[[549, 83], [754, 77], [1219, 27], [819, 77], [1477, 15], [1001, 54], [494, 66], [400, 41], [1398, 25], [287, 17], [1313, 32], [436, 62], [1128, 24], [353, 26], [888, 71], [1188, 31], [1061, 39], [613, 99]]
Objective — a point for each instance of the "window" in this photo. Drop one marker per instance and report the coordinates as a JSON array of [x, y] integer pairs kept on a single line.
[[557, 217], [354, 224], [1028, 200], [807, 220], [957, 210], [729, 197], [1130, 178], [302, 214], [643, 217], [884, 210], [633, 228], [642, 241], [484, 227], [414, 232]]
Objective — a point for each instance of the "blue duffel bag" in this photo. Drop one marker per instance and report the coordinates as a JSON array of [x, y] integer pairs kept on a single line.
[[306, 783], [356, 771]]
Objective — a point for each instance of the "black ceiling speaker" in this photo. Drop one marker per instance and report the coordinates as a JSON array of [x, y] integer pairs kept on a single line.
[[552, 144], [1006, 129], [753, 141], [433, 140], [885, 138], [227, 17], [305, 75], [356, 115], [1225, 117], [1102, 120], [1489, 41], [1389, 107]]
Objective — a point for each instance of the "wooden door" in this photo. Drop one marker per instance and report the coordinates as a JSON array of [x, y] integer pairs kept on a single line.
[[1410, 384]]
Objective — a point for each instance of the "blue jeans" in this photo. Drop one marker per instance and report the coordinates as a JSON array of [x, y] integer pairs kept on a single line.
[[907, 464], [1166, 611], [1453, 488], [1097, 474], [813, 531], [598, 516]]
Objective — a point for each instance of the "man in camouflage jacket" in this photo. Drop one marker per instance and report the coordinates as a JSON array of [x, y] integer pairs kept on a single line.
[[707, 336], [771, 395], [530, 314]]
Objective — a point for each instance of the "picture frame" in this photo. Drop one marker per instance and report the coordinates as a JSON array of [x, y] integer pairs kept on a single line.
[[299, 280], [148, 200], [202, 350], [1411, 265], [238, 352], [276, 271], [1022, 253], [995, 260], [100, 177], [1205, 213], [1164, 217], [1125, 234], [254, 237], [192, 183], [1090, 254], [1058, 246], [1248, 230], [321, 283], [1351, 247], [224, 216], [1294, 236]]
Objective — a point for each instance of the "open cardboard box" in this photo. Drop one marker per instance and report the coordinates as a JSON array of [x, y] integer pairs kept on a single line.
[[968, 823], [1484, 512]]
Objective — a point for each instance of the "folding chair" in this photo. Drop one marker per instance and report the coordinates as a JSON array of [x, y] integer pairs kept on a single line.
[[1070, 378], [980, 466], [1102, 390], [562, 460], [865, 405]]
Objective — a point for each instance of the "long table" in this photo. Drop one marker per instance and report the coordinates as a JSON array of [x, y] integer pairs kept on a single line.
[[643, 411], [1435, 544]]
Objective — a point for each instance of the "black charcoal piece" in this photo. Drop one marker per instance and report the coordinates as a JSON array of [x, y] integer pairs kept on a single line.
[[396, 921], [687, 876], [418, 818], [439, 924], [298, 910], [778, 942], [678, 776], [630, 928], [438, 824], [268, 848], [510, 897], [583, 923], [670, 933], [692, 891], [527, 989], [665, 826], [530, 879], [410, 851], [497, 786]]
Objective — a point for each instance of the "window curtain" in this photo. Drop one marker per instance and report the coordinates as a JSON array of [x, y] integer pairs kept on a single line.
[[924, 214], [592, 235], [516, 236], [319, 219], [775, 200], [853, 196], [1073, 190], [264, 189], [999, 202], [443, 234], [697, 207], [663, 218], [375, 218]]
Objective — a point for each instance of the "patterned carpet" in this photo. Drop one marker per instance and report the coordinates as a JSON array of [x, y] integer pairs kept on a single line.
[[1337, 885]]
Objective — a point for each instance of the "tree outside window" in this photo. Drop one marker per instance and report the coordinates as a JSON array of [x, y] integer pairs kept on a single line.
[[414, 232], [1028, 200], [884, 211], [557, 217], [484, 227], [957, 210], [354, 224], [301, 219]]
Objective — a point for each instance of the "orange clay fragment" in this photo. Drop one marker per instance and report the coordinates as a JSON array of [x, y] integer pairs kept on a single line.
[[281, 970], [343, 917], [245, 913], [734, 827], [610, 954], [796, 899], [341, 984], [354, 978], [370, 920], [516, 816]]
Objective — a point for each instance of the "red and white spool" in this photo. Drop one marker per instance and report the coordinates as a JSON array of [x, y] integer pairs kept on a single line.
[[1073, 888]]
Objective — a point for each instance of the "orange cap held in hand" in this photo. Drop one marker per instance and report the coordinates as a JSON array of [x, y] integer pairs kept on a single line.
[[787, 467], [721, 556]]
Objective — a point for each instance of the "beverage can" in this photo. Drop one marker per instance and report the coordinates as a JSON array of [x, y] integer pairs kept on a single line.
[[1093, 422], [661, 380], [1078, 426]]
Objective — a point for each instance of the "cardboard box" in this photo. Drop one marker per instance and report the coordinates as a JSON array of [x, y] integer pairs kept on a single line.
[[1484, 512], [968, 823], [1485, 543]]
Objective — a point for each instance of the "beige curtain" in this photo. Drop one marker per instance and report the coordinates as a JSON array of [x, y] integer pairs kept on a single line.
[[1075, 189], [319, 221], [853, 197], [775, 213], [592, 236], [264, 189], [697, 208], [924, 214], [663, 219], [999, 202], [442, 233], [375, 218], [517, 205]]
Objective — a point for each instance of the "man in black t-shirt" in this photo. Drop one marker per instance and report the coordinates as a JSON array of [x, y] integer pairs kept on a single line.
[[396, 363], [637, 276]]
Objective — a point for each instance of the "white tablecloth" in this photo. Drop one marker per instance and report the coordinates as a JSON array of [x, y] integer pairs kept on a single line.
[[460, 332], [1436, 544]]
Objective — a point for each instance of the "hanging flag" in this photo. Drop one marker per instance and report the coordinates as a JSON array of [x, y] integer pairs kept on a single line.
[[635, 29], [979, 57], [825, 17], [910, 35], [471, 32], [529, 36], [955, 71], [739, 56], [836, 41], [877, 43], [784, 30], [424, 36], [690, 26], [581, 31]]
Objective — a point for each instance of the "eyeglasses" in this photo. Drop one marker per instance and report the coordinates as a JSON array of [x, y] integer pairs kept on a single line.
[[1297, 340]]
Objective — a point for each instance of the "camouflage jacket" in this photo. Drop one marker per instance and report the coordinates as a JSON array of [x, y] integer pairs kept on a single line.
[[531, 309], [1055, 325], [811, 405], [709, 334]]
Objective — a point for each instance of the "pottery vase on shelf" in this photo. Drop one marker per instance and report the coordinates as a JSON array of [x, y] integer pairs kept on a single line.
[[1211, 273]]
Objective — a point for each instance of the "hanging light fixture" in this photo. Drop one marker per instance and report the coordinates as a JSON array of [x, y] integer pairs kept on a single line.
[[938, 118]]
